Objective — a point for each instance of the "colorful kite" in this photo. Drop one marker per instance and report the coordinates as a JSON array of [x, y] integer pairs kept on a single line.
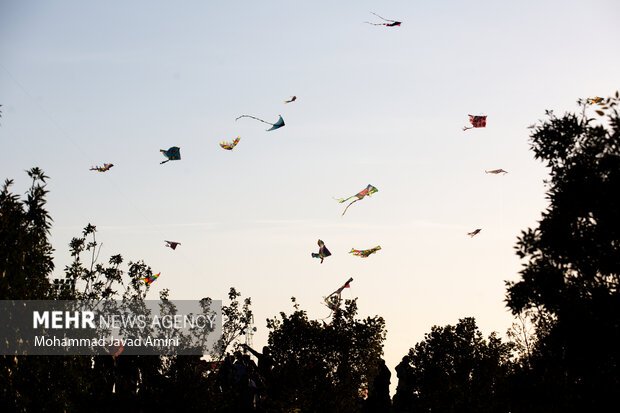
[[391, 23], [230, 145], [360, 195], [476, 122], [595, 99], [323, 252], [364, 253], [150, 278], [172, 244], [474, 233], [105, 167], [274, 126], [496, 171], [293, 99], [332, 301], [173, 154]]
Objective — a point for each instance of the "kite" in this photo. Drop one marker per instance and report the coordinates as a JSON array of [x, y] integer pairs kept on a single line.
[[230, 145], [595, 99], [323, 252], [115, 350], [496, 171], [360, 195], [274, 126], [105, 167], [476, 122], [475, 232], [364, 253], [119, 351], [391, 23], [173, 154], [150, 278], [332, 301], [172, 244], [293, 99]]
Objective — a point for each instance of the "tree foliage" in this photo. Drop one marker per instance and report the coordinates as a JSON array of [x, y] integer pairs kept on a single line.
[[237, 317], [25, 251], [454, 369], [79, 383], [571, 275], [323, 367]]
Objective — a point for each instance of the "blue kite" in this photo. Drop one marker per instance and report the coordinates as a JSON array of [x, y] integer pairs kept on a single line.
[[173, 154], [274, 126]]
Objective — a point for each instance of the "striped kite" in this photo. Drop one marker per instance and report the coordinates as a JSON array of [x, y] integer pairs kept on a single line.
[[173, 154], [360, 195], [105, 167], [476, 122], [332, 301], [496, 171], [391, 23], [279, 123], [148, 280], [323, 252], [474, 233], [595, 99], [364, 253], [230, 145]]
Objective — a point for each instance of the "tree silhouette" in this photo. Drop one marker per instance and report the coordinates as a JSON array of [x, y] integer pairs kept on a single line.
[[32, 382], [323, 367], [570, 278], [454, 369], [80, 383]]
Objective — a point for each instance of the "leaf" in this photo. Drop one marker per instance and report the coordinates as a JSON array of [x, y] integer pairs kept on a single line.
[[600, 112]]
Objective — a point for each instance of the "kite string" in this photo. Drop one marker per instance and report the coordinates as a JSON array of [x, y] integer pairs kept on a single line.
[[387, 20]]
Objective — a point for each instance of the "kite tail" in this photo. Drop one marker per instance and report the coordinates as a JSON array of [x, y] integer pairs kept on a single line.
[[486, 172], [326, 318], [345, 210], [162, 162], [465, 128], [341, 200], [375, 24], [253, 117]]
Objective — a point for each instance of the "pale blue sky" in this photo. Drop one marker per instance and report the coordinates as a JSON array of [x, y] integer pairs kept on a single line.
[[83, 83]]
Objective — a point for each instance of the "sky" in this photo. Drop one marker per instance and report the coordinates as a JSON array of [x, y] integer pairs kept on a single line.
[[87, 83]]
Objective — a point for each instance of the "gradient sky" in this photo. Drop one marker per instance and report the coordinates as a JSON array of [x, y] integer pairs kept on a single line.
[[83, 83]]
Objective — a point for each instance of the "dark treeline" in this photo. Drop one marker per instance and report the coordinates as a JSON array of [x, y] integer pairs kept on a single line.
[[561, 354]]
